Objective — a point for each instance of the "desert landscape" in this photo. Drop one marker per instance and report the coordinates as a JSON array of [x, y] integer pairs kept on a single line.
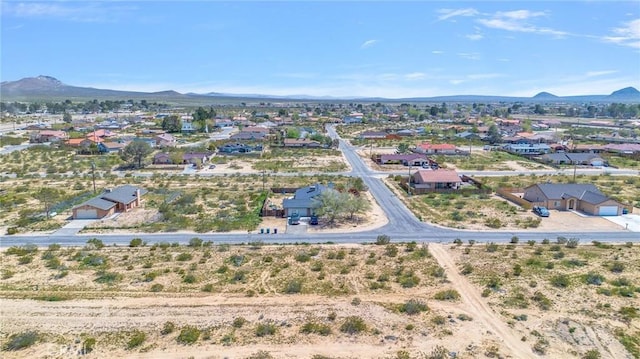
[[380, 300]]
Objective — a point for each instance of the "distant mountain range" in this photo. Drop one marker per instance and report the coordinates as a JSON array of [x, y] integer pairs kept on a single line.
[[47, 88]]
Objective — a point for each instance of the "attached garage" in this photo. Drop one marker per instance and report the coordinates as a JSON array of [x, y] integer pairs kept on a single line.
[[94, 208], [86, 214], [608, 211]]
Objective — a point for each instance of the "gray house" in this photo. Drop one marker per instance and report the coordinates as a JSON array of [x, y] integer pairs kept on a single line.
[[302, 201]]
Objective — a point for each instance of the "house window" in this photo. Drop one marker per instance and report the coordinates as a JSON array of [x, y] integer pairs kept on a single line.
[[556, 203]]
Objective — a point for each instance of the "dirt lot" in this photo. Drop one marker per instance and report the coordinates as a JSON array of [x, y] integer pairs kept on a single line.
[[229, 315]]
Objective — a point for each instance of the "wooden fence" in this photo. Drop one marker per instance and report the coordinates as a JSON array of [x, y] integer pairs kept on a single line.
[[508, 194]]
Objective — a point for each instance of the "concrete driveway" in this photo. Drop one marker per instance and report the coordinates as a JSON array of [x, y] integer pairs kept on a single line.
[[73, 227], [629, 221]]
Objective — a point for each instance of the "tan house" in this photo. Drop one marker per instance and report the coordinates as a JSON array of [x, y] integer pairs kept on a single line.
[[573, 196], [301, 142], [424, 181], [119, 199]]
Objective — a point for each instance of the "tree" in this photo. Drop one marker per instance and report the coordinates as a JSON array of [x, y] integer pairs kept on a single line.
[[135, 152], [330, 204], [493, 134], [66, 117], [48, 197], [356, 204], [403, 148], [172, 123]]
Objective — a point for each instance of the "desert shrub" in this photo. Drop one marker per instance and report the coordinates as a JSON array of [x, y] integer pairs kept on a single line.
[[413, 306], [457, 241], [521, 317], [572, 242], [493, 222], [136, 339], [560, 281], [449, 294], [531, 242], [168, 328], [561, 240], [189, 279], [353, 325], [616, 267], [467, 269], [302, 257], [464, 317], [25, 259], [188, 335], [94, 243], [383, 239], [438, 320], [514, 240], [408, 280], [260, 354], [391, 250], [88, 344], [628, 313], [108, 277], [517, 270], [312, 327], [593, 278], [356, 301], [264, 329], [494, 282], [592, 354], [157, 287], [20, 341], [541, 300], [207, 288], [293, 286], [195, 242], [238, 322], [136, 242], [439, 352], [491, 247], [183, 257]]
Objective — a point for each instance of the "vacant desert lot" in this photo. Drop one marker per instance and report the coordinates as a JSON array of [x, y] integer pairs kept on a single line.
[[322, 301]]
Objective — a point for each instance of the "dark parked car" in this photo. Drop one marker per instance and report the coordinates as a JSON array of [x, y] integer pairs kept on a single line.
[[541, 211]]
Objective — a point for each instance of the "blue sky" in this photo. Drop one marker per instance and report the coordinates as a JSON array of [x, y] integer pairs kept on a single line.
[[327, 48]]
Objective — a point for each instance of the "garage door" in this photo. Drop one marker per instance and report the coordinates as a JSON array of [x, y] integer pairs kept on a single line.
[[86, 214], [608, 211]]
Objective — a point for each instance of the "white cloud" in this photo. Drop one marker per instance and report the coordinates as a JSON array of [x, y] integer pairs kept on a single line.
[[437, 52], [627, 35], [69, 11], [469, 55], [474, 37], [516, 21], [368, 43], [451, 13], [415, 76], [600, 73]]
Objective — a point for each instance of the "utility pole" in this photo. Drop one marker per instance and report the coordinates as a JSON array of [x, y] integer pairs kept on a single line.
[[93, 175], [263, 179], [409, 181]]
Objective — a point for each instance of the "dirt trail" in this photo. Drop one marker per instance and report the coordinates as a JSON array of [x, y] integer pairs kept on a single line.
[[481, 310]]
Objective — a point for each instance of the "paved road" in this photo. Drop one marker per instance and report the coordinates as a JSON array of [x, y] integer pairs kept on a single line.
[[402, 226]]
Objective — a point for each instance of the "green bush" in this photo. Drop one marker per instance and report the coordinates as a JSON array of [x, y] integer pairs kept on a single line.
[[88, 345], [183, 257], [560, 281], [293, 286], [383, 239], [239, 322], [413, 306], [157, 287], [353, 325], [136, 339], [312, 327], [264, 329], [188, 335], [449, 294], [593, 278], [136, 242], [168, 328], [21, 340]]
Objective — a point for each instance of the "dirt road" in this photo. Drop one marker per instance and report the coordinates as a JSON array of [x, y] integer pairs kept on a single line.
[[473, 301]]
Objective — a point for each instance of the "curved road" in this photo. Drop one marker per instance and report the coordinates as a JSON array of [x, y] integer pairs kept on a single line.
[[402, 226]]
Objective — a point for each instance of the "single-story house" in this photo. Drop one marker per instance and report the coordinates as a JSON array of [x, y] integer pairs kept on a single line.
[[302, 202], [162, 159], [238, 148], [572, 196], [439, 149], [528, 149], [413, 159], [564, 158], [435, 180], [588, 148], [47, 136], [165, 139], [373, 135], [196, 157], [248, 136], [354, 117], [108, 147], [119, 199], [102, 133], [301, 142]]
